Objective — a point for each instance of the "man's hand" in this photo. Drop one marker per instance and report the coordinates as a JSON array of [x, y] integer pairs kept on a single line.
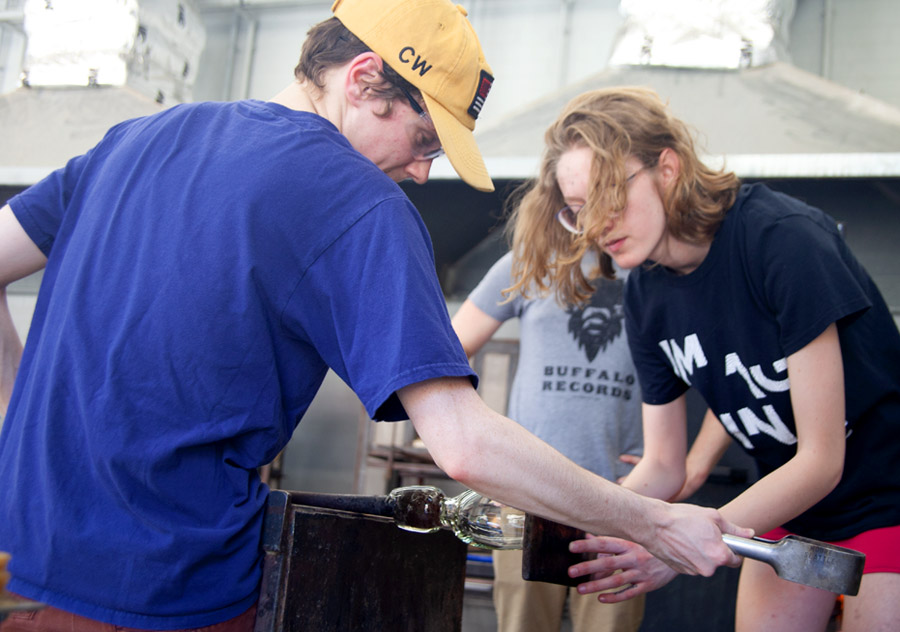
[[624, 568], [690, 539]]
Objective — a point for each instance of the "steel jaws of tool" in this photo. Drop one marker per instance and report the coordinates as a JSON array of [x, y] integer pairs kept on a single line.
[[805, 561]]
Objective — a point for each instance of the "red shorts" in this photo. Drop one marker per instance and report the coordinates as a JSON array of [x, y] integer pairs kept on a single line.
[[881, 546]]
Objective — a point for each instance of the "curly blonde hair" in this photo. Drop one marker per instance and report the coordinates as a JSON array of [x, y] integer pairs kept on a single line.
[[615, 124]]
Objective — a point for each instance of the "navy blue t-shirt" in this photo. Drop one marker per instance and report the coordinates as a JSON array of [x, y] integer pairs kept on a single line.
[[206, 266], [776, 276]]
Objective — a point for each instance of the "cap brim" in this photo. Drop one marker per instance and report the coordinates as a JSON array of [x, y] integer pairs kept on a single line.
[[459, 145]]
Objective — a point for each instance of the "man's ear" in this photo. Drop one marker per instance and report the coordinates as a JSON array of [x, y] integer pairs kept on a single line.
[[363, 72]]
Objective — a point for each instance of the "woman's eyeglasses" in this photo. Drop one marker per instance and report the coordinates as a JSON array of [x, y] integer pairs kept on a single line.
[[568, 215]]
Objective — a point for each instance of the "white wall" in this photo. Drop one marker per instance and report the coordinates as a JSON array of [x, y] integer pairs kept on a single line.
[[253, 52], [21, 306], [12, 50], [851, 42]]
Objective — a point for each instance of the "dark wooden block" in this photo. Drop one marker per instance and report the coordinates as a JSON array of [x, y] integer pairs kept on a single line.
[[545, 551], [331, 571]]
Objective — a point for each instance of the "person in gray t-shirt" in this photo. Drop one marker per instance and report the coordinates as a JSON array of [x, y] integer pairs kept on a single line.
[[576, 388]]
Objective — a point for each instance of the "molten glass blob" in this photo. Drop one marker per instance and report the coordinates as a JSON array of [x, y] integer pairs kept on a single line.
[[473, 518]]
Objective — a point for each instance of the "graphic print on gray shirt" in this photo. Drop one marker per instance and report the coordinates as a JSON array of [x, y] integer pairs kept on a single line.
[[575, 386]]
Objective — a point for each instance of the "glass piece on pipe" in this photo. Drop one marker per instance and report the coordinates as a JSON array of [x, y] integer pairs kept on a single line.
[[473, 518]]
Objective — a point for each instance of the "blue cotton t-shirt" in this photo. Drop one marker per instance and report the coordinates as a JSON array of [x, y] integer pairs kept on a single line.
[[206, 266]]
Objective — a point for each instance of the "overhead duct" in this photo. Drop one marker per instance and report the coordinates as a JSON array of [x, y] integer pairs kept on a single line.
[[151, 46], [90, 64], [702, 33]]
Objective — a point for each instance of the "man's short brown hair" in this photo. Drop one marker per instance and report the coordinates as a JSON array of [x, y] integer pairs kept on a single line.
[[330, 44]]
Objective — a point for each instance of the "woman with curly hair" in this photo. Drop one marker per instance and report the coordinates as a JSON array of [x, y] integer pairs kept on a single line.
[[754, 299]]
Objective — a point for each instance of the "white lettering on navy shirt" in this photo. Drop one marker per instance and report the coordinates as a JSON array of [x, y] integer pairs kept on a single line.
[[684, 359], [687, 358]]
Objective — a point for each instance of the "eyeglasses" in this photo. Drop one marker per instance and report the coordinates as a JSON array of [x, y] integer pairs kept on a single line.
[[568, 215], [422, 151]]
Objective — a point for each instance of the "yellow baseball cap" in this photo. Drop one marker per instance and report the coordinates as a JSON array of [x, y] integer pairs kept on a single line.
[[431, 44]]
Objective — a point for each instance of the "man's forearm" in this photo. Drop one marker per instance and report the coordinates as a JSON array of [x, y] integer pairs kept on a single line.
[[498, 458]]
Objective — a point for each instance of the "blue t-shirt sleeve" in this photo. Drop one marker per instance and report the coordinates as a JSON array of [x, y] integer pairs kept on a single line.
[[372, 307], [808, 278], [488, 294], [41, 207]]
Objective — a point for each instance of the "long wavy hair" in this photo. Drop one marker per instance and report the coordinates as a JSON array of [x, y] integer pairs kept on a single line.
[[615, 124]]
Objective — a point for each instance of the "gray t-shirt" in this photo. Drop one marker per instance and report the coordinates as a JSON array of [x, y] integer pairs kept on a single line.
[[575, 386]]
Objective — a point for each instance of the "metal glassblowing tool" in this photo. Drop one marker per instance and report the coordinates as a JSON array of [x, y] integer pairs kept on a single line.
[[471, 517], [546, 557], [806, 561]]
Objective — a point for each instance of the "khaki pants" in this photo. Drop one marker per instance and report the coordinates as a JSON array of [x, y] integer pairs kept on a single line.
[[524, 606]]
